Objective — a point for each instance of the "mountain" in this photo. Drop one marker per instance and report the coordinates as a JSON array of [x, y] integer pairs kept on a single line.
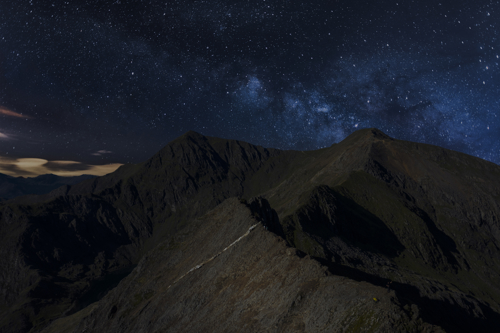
[[11, 187], [370, 234]]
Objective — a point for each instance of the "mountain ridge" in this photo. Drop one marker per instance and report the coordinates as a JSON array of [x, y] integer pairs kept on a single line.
[[263, 262], [370, 208]]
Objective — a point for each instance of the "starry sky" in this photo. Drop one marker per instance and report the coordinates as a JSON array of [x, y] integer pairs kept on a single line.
[[88, 85]]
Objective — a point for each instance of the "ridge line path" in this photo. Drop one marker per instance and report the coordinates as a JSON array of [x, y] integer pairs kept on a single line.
[[215, 256]]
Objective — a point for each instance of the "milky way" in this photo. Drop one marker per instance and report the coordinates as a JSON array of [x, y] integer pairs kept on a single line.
[[126, 77]]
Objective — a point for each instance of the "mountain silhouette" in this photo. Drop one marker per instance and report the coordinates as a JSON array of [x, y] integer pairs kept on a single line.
[[11, 187], [370, 234]]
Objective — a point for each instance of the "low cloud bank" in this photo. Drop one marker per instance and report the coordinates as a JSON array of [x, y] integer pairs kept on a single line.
[[32, 167]]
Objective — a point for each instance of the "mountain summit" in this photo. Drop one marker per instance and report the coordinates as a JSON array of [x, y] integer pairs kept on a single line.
[[370, 234]]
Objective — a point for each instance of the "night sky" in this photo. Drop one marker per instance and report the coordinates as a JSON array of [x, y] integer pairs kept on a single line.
[[88, 83]]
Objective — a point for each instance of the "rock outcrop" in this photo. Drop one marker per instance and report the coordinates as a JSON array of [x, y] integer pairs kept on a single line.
[[257, 285]]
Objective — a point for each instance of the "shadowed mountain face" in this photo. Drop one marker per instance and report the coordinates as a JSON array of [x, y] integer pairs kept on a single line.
[[331, 228], [11, 187]]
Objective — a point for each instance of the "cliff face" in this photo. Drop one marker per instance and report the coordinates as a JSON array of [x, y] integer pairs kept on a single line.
[[331, 229], [228, 273]]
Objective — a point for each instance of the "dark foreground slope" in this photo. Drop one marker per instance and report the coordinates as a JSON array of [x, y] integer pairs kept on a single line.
[[365, 212], [202, 281]]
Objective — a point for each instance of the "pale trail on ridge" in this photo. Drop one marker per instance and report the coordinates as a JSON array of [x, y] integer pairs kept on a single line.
[[215, 256]]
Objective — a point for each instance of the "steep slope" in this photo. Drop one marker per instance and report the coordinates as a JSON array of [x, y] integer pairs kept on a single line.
[[66, 248], [422, 216], [227, 273]]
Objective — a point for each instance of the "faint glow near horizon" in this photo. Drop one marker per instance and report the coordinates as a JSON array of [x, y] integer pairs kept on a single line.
[[32, 167]]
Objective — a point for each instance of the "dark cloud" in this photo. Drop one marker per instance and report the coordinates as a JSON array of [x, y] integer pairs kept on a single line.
[[102, 152]]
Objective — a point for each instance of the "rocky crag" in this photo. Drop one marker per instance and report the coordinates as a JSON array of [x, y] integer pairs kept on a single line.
[[161, 246]]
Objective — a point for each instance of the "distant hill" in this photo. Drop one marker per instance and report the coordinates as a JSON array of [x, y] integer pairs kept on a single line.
[[372, 234], [11, 187]]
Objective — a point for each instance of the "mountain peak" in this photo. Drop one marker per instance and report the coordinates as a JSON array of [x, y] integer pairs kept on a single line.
[[370, 133], [191, 134], [187, 137], [376, 133], [365, 136]]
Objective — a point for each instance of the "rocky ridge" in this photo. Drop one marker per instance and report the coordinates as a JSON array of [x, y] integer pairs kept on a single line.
[[257, 285], [366, 211]]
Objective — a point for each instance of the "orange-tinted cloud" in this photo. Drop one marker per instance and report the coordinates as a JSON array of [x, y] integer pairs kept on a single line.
[[3, 136], [6, 112], [32, 167]]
